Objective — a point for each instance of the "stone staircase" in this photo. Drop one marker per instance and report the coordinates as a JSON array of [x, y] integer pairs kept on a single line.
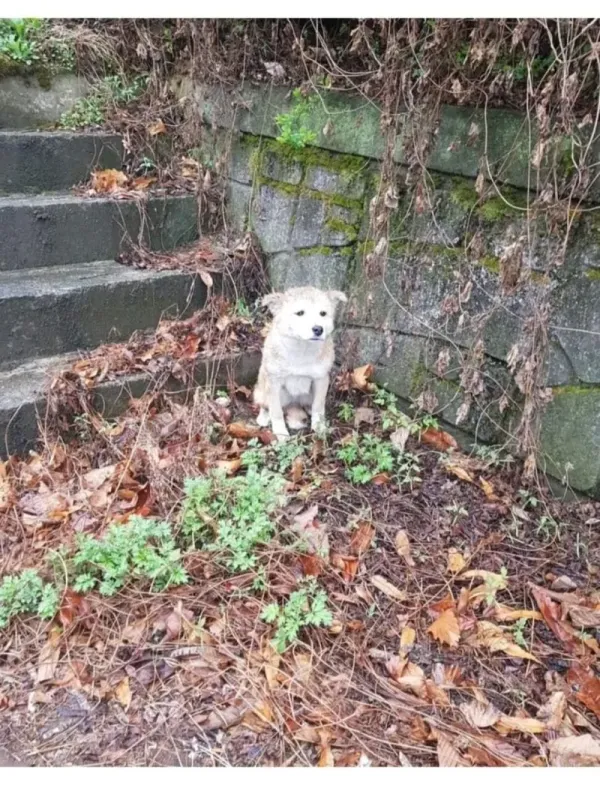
[[61, 290]]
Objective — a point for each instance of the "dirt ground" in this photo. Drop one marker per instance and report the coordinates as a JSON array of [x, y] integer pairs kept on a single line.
[[465, 604]]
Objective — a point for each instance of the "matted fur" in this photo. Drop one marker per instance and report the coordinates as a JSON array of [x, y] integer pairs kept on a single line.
[[297, 360]]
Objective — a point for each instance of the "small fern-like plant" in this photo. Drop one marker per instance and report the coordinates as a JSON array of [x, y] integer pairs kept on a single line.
[[305, 607], [27, 593]]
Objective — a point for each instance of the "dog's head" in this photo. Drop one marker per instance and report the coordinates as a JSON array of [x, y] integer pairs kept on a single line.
[[305, 312]]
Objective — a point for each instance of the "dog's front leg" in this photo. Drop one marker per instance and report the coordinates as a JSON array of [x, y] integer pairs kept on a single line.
[[276, 411], [320, 386]]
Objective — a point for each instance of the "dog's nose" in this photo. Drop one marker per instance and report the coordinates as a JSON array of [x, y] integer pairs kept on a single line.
[[317, 330]]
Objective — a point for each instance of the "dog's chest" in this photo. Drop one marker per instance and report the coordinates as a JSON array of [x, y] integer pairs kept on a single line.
[[297, 385]]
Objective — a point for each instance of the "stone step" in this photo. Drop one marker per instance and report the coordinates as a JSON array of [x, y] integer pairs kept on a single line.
[[59, 229], [43, 161], [50, 311], [23, 393]]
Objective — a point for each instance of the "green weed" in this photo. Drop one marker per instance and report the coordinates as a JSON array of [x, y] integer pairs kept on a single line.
[[305, 607], [366, 456], [111, 91], [346, 411], [143, 549], [232, 515], [27, 593], [292, 132]]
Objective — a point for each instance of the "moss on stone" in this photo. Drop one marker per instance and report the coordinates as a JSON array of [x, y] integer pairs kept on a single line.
[[463, 194], [10, 68], [494, 208], [339, 226], [326, 251], [579, 390], [490, 263], [593, 273]]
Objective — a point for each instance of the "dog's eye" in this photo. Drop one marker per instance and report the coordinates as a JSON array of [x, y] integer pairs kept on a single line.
[[323, 314], [300, 313]]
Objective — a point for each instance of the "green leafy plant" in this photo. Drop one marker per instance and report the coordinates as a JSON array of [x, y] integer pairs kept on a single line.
[[493, 456], [456, 511], [549, 528], [392, 417], [346, 411], [143, 549], [292, 132], [232, 515], [366, 456], [111, 91], [27, 593], [305, 607], [518, 632], [18, 40]]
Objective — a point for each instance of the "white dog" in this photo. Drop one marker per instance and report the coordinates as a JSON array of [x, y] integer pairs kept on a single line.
[[297, 358]]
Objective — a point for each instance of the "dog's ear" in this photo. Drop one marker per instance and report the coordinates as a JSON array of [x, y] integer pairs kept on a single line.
[[273, 302], [336, 296]]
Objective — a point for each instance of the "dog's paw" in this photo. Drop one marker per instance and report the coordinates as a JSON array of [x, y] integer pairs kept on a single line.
[[296, 418], [263, 419], [280, 431]]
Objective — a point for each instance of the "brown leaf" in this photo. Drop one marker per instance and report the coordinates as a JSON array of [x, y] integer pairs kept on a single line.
[[446, 629], [238, 429], [123, 693], [311, 530], [460, 472], [407, 640], [158, 127], [347, 564], [587, 687], [106, 181], [297, 469], [312, 565], [361, 376], [48, 658], [480, 715], [366, 415], [135, 632], [553, 711], [456, 561], [142, 183], [438, 439], [225, 718], [362, 538], [230, 467], [490, 636], [448, 755], [399, 437], [504, 613], [403, 547], [551, 613], [584, 616], [521, 724], [575, 751], [5, 489], [326, 756], [381, 584], [72, 606]]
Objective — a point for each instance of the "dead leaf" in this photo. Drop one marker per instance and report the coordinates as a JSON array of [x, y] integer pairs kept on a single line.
[[229, 467], [575, 751], [207, 279], [135, 632], [107, 181], [362, 538], [551, 613], [403, 547], [274, 69], [347, 564], [504, 613], [480, 715], [259, 718], [366, 415], [488, 489], [361, 376], [584, 616], [142, 183], [460, 472], [297, 470], [312, 565], [238, 429], [407, 640], [308, 528], [399, 437], [553, 711], [72, 606], [490, 636], [456, 561], [123, 693], [5, 494], [48, 658], [587, 687], [225, 718], [446, 629], [438, 439], [521, 724], [326, 756], [448, 755], [381, 584], [158, 127]]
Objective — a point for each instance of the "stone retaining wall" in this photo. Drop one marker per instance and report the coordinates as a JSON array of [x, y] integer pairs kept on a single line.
[[420, 318]]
